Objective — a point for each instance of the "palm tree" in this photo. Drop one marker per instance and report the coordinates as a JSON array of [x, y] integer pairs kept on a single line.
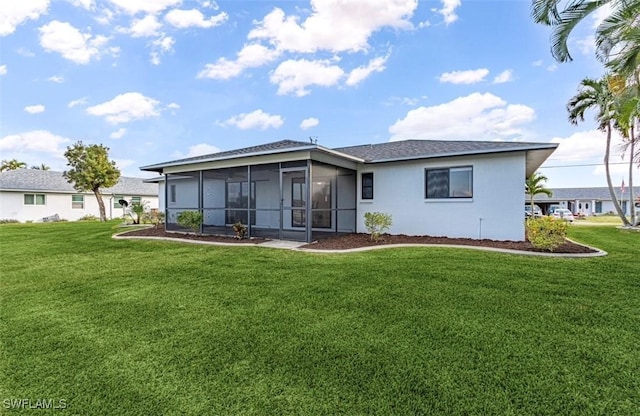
[[595, 94], [12, 164], [41, 167], [618, 39], [628, 117], [534, 185], [613, 35]]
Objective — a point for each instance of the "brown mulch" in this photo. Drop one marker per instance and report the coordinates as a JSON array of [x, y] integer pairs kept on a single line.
[[363, 240], [348, 241], [160, 232]]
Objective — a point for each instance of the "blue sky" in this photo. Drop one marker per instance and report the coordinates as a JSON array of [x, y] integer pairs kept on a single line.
[[155, 80]]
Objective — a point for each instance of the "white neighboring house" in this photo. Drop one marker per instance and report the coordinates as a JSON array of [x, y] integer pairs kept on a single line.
[[303, 191], [586, 201], [32, 194]]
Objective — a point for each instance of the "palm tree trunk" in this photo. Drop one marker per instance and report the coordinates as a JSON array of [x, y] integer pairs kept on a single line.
[[612, 192], [632, 206]]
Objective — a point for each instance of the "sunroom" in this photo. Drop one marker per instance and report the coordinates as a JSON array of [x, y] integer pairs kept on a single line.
[[285, 190]]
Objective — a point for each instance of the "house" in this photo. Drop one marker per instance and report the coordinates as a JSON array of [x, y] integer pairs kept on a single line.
[[586, 201], [303, 191], [32, 194]]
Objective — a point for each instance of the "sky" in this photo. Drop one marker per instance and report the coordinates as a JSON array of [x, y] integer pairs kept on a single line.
[[157, 80]]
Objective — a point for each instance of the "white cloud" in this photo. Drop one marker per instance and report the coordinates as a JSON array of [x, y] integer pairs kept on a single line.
[[252, 55], [292, 77], [36, 141], [552, 67], [470, 76], [173, 106], [193, 18], [13, 13], [3, 70], [539, 62], [79, 101], [336, 26], [307, 123], [144, 6], [600, 14], [105, 16], [448, 10], [503, 77], [201, 149], [85, 4], [411, 101], [25, 52], [161, 46], [118, 134], [71, 43], [58, 79], [473, 117], [586, 45], [257, 119], [126, 107], [580, 146], [361, 73], [34, 109], [143, 28]]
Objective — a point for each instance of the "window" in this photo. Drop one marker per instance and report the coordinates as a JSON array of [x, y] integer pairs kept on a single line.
[[77, 201], [449, 183], [117, 198], [172, 194], [367, 186], [598, 207], [136, 200], [34, 199]]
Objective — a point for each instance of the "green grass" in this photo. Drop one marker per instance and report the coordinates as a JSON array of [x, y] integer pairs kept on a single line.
[[601, 219], [138, 327]]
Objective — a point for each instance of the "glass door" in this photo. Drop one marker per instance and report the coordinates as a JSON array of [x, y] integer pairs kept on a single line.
[[294, 204]]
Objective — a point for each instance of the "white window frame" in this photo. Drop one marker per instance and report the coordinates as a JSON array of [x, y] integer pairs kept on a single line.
[[77, 204]]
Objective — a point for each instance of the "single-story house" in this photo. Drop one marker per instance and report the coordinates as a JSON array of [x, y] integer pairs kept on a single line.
[[32, 194], [303, 191], [586, 201]]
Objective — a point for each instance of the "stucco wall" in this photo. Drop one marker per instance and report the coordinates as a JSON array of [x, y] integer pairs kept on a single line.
[[12, 206], [495, 211]]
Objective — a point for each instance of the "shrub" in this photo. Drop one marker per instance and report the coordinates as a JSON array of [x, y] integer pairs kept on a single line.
[[546, 233], [191, 220], [8, 221], [138, 208], [155, 217], [89, 217], [377, 223], [240, 229]]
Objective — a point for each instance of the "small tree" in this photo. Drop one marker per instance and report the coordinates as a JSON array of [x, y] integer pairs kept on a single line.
[[377, 223], [91, 170], [240, 230], [138, 208], [191, 220], [534, 185], [42, 166]]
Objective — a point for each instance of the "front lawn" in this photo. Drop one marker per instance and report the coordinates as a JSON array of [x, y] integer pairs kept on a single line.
[[139, 327]]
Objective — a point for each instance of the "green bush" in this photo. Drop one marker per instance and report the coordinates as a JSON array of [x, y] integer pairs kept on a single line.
[[154, 217], [138, 208], [240, 229], [377, 223], [8, 221], [546, 233], [191, 220]]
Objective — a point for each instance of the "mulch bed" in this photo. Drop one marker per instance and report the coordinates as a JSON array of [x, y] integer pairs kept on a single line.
[[160, 232], [348, 241], [363, 240]]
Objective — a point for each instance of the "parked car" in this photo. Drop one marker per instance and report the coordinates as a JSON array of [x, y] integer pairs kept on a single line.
[[537, 212], [563, 214], [553, 208]]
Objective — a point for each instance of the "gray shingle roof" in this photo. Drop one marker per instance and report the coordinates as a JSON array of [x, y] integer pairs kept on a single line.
[[571, 194], [419, 149], [275, 147], [46, 180]]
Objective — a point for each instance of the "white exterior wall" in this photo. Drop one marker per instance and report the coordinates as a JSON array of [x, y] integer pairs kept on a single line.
[[494, 211], [12, 206]]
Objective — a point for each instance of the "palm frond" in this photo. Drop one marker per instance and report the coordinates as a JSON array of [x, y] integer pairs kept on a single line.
[[568, 20]]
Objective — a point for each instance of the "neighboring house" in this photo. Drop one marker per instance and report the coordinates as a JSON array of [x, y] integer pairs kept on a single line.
[[586, 201], [303, 191], [32, 194]]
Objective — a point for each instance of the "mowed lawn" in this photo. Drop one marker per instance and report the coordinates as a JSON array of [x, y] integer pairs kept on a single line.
[[136, 327]]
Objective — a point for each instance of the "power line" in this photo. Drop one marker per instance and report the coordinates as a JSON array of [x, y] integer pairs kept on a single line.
[[581, 166]]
